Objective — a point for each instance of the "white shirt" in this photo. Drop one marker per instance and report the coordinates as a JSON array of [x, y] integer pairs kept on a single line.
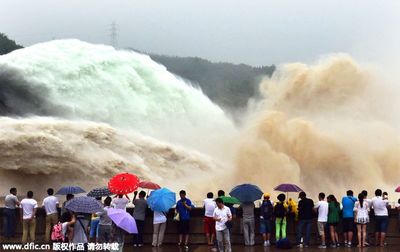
[[224, 215], [27, 207], [120, 203], [209, 207], [323, 209], [380, 206], [369, 201], [159, 217], [50, 204]]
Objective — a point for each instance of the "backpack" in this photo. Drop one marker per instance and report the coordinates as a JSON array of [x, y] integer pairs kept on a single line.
[[279, 210], [267, 210], [56, 232]]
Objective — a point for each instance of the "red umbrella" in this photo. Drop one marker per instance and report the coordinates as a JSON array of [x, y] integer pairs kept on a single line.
[[397, 189], [123, 183], [149, 185]]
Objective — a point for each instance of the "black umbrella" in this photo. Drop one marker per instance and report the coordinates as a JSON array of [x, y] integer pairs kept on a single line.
[[99, 192]]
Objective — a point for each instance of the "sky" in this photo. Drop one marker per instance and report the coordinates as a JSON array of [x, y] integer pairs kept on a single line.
[[256, 32]]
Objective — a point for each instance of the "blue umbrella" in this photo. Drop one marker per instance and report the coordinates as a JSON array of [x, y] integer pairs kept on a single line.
[[84, 204], [69, 190], [246, 193], [161, 200]]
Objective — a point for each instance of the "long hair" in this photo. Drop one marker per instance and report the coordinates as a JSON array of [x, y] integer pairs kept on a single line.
[[361, 199], [333, 199]]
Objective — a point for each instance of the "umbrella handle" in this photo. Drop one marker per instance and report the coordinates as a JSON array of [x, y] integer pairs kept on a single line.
[[126, 195]]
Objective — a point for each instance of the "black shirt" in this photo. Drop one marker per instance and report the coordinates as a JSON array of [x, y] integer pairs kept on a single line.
[[306, 209]]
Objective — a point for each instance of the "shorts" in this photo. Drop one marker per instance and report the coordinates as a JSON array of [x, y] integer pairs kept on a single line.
[[209, 225], [321, 227], [183, 227], [348, 225], [381, 224], [265, 226]]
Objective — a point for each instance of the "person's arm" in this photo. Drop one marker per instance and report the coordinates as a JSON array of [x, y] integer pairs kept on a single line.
[[16, 201], [188, 206], [216, 218], [134, 195], [229, 215], [33, 213]]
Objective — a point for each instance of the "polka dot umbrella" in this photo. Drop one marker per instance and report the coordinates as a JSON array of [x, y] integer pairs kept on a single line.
[[123, 183]]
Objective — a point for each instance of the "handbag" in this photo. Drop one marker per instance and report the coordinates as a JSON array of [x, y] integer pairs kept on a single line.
[[177, 217]]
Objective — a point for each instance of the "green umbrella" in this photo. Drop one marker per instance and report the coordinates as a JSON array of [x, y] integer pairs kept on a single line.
[[230, 200]]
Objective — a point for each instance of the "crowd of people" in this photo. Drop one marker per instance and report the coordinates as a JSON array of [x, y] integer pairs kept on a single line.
[[352, 213]]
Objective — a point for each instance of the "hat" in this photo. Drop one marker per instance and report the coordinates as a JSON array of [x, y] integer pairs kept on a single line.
[[266, 195]]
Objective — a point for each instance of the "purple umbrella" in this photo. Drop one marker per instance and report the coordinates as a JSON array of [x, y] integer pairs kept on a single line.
[[123, 220], [288, 188]]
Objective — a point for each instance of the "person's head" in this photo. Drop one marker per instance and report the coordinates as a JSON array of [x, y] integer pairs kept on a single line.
[[378, 192], [120, 195], [66, 217], [50, 191], [142, 194], [361, 199], [210, 195], [349, 193], [29, 194], [221, 193], [182, 194], [266, 196], [220, 202], [321, 196], [302, 195], [13, 191], [281, 197], [107, 201], [385, 194], [70, 196], [398, 201], [365, 193]]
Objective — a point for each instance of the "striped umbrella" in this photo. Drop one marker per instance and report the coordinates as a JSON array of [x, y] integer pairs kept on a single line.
[[84, 204]]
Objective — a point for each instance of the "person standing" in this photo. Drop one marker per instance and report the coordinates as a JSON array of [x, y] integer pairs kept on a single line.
[[119, 202], [280, 213], [248, 223], [266, 215], [183, 208], [208, 221], [222, 214], [361, 217], [306, 211], [11, 203], [68, 198], [28, 215], [159, 226], [322, 209], [348, 203], [104, 225], [333, 219], [380, 206], [80, 228], [139, 213], [50, 205]]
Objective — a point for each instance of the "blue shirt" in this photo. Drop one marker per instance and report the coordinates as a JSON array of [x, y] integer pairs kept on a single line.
[[184, 213], [348, 206]]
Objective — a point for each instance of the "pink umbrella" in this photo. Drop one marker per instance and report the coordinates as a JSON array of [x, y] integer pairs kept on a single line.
[[123, 220], [397, 189]]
